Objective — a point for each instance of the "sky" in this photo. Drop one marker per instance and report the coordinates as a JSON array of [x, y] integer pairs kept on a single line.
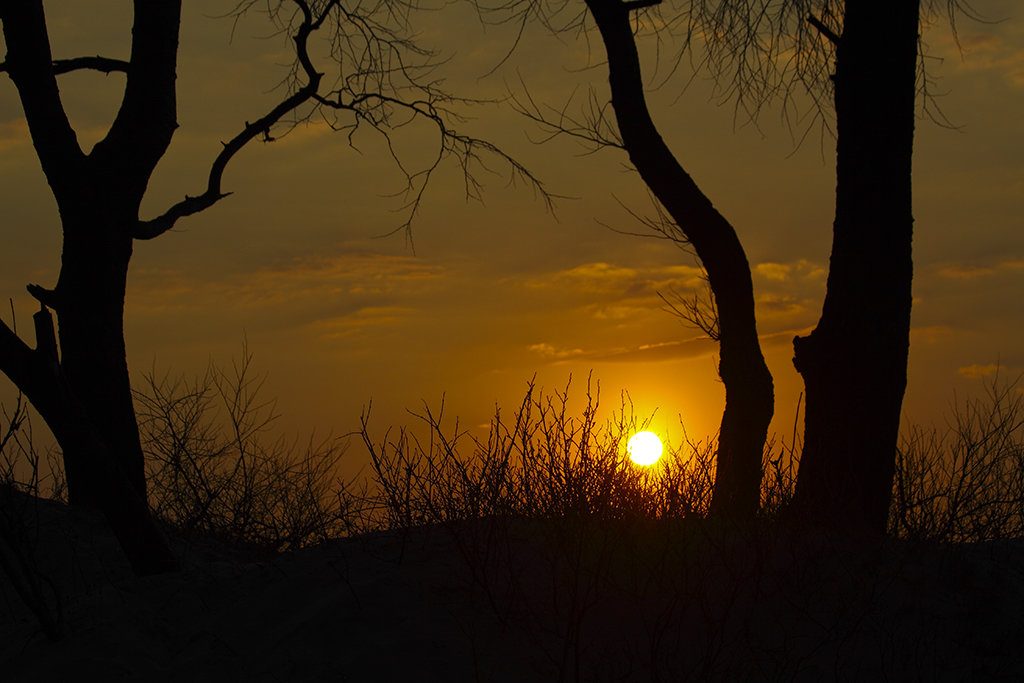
[[300, 266]]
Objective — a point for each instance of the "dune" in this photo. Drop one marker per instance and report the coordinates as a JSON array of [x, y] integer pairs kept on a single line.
[[497, 600]]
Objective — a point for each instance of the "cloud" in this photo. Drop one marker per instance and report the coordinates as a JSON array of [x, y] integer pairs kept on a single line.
[[310, 279], [619, 282], [548, 351], [14, 134], [958, 271], [773, 271], [978, 371], [649, 353], [990, 52], [785, 272], [779, 304], [359, 321], [335, 295], [929, 334]]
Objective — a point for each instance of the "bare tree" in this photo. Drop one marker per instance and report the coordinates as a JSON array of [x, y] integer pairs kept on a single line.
[[749, 391], [854, 363], [80, 383], [853, 68]]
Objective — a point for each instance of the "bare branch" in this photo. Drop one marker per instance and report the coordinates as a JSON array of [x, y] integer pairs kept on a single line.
[[97, 63], [822, 29], [700, 312], [191, 205], [630, 5], [17, 360], [384, 82], [29, 65], [595, 128]]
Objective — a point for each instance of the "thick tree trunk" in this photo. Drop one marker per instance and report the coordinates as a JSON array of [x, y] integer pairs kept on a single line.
[[854, 363], [85, 395], [89, 301], [749, 393]]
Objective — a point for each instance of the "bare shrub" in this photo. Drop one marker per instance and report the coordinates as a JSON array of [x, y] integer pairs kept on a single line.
[[214, 469], [22, 483], [964, 483], [543, 462]]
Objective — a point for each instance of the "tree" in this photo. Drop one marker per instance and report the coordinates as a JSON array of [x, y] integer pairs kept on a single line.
[[854, 363], [749, 391], [79, 380], [749, 395]]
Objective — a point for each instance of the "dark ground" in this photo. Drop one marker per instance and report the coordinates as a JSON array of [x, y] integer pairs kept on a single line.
[[525, 601]]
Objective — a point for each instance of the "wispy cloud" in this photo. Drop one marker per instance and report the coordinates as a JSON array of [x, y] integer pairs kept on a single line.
[[360, 321], [959, 271], [990, 52], [14, 134], [787, 272], [779, 304], [310, 279], [335, 296], [930, 334], [650, 353], [619, 282], [978, 371]]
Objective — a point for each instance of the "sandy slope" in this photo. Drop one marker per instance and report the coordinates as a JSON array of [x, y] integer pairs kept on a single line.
[[527, 602]]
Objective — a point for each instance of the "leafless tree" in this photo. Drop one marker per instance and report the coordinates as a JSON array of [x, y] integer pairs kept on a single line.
[[689, 218], [855, 68], [79, 382]]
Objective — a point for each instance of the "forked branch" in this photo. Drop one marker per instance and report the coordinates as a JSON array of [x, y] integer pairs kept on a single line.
[[191, 205], [384, 82]]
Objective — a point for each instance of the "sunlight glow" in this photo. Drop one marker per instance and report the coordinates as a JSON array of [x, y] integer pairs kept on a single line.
[[644, 448]]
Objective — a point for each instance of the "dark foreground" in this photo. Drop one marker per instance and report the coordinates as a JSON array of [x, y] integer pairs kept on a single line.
[[551, 601]]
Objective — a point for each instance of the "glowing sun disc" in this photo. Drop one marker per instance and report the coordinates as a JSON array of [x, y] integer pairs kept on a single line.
[[644, 448]]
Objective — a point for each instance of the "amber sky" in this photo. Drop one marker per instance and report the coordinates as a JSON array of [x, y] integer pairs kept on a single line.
[[498, 292]]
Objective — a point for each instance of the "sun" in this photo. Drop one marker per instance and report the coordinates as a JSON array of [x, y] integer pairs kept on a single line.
[[644, 448]]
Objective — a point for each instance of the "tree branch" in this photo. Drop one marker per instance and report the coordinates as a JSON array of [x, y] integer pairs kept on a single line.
[[147, 117], [30, 65], [378, 86], [822, 29], [16, 360], [155, 227], [96, 63], [630, 5]]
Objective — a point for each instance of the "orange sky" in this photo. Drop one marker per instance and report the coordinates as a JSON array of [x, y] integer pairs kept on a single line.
[[496, 293]]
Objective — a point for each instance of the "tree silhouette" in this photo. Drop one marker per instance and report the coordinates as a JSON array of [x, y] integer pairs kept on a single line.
[[79, 381], [749, 395], [693, 220], [859, 62], [854, 363]]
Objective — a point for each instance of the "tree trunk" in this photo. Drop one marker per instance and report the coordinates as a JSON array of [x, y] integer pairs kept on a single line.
[[854, 363], [84, 395], [89, 301], [749, 393]]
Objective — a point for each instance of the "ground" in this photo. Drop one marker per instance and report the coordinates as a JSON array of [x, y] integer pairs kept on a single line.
[[555, 600]]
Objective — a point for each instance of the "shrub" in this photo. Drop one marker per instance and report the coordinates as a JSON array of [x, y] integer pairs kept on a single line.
[[544, 462], [214, 469], [964, 482]]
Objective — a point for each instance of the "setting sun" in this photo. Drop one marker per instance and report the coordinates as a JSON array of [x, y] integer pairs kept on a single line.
[[644, 448]]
